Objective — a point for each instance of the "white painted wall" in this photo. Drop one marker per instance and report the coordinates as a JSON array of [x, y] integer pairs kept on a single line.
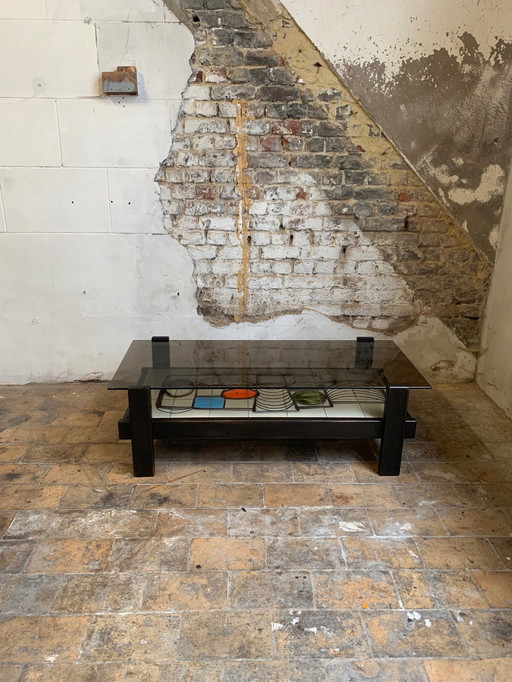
[[85, 263], [495, 366], [361, 31]]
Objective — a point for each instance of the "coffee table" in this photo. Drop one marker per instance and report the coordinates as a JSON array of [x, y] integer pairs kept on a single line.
[[266, 390]]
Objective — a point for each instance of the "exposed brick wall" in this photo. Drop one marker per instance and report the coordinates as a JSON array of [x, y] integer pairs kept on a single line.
[[282, 206]]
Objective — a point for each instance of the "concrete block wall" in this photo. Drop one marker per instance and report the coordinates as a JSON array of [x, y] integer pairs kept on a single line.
[[80, 214]]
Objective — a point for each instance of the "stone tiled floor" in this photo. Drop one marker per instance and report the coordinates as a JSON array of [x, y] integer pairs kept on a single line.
[[252, 561]]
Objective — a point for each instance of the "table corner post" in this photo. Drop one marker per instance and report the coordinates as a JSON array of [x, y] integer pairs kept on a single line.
[[140, 408], [392, 441]]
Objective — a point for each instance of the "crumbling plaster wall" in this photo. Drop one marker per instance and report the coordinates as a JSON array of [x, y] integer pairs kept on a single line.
[[495, 365], [437, 77], [86, 262]]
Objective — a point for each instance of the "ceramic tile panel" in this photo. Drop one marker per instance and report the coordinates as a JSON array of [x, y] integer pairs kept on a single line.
[[29, 133], [68, 69], [61, 199]]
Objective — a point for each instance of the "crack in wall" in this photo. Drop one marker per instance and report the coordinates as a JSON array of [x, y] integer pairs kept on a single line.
[[244, 185]]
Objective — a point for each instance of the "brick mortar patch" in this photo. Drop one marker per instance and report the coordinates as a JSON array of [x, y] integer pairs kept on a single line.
[[288, 196]]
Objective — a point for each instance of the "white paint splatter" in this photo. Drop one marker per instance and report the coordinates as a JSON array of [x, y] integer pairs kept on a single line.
[[491, 185], [313, 630], [277, 626], [428, 623], [493, 236], [351, 526]]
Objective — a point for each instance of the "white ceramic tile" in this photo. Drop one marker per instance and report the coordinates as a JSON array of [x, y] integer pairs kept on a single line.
[[55, 199], [2, 221], [124, 10], [29, 133], [48, 59], [114, 133], [309, 413], [22, 9], [161, 53], [134, 201], [344, 410]]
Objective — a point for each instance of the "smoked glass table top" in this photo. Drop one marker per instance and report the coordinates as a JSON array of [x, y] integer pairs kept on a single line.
[[265, 364]]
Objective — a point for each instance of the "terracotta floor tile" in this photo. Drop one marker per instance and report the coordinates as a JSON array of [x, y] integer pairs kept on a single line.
[[97, 497], [225, 635], [363, 495], [119, 453], [376, 670], [31, 497], [262, 472], [5, 521], [119, 523], [476, 522], [441, 472], [94, 593], [291, 554], [45, 524], [191, 522], [319, 634], [486, 633], [76, 672], [149, 555], [230, 495], [77, 474], [457, 553], [434, 495], [402, 634], [496, 494], [183, 592], [55, 454], [161, 496], [367, 553], [263, 522], [25, 434], [296, 495], [503, 548], [227, 554], [327, 472], [337, 522], [28, 594], [497, 587], [131, 637], [269, 671], [190, 472], [355, 590], [69, 556], [490, 472], [10, 673], [14, 555], [439, 589], [12, 453], [407, 522], [269, 589], [26, 639], [497, 670]]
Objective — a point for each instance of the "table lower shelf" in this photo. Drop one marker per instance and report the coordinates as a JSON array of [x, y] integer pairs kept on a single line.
[[262, 428]]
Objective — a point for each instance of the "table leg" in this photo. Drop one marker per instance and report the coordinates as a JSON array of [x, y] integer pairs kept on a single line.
[[392, 441], [143, 454]]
